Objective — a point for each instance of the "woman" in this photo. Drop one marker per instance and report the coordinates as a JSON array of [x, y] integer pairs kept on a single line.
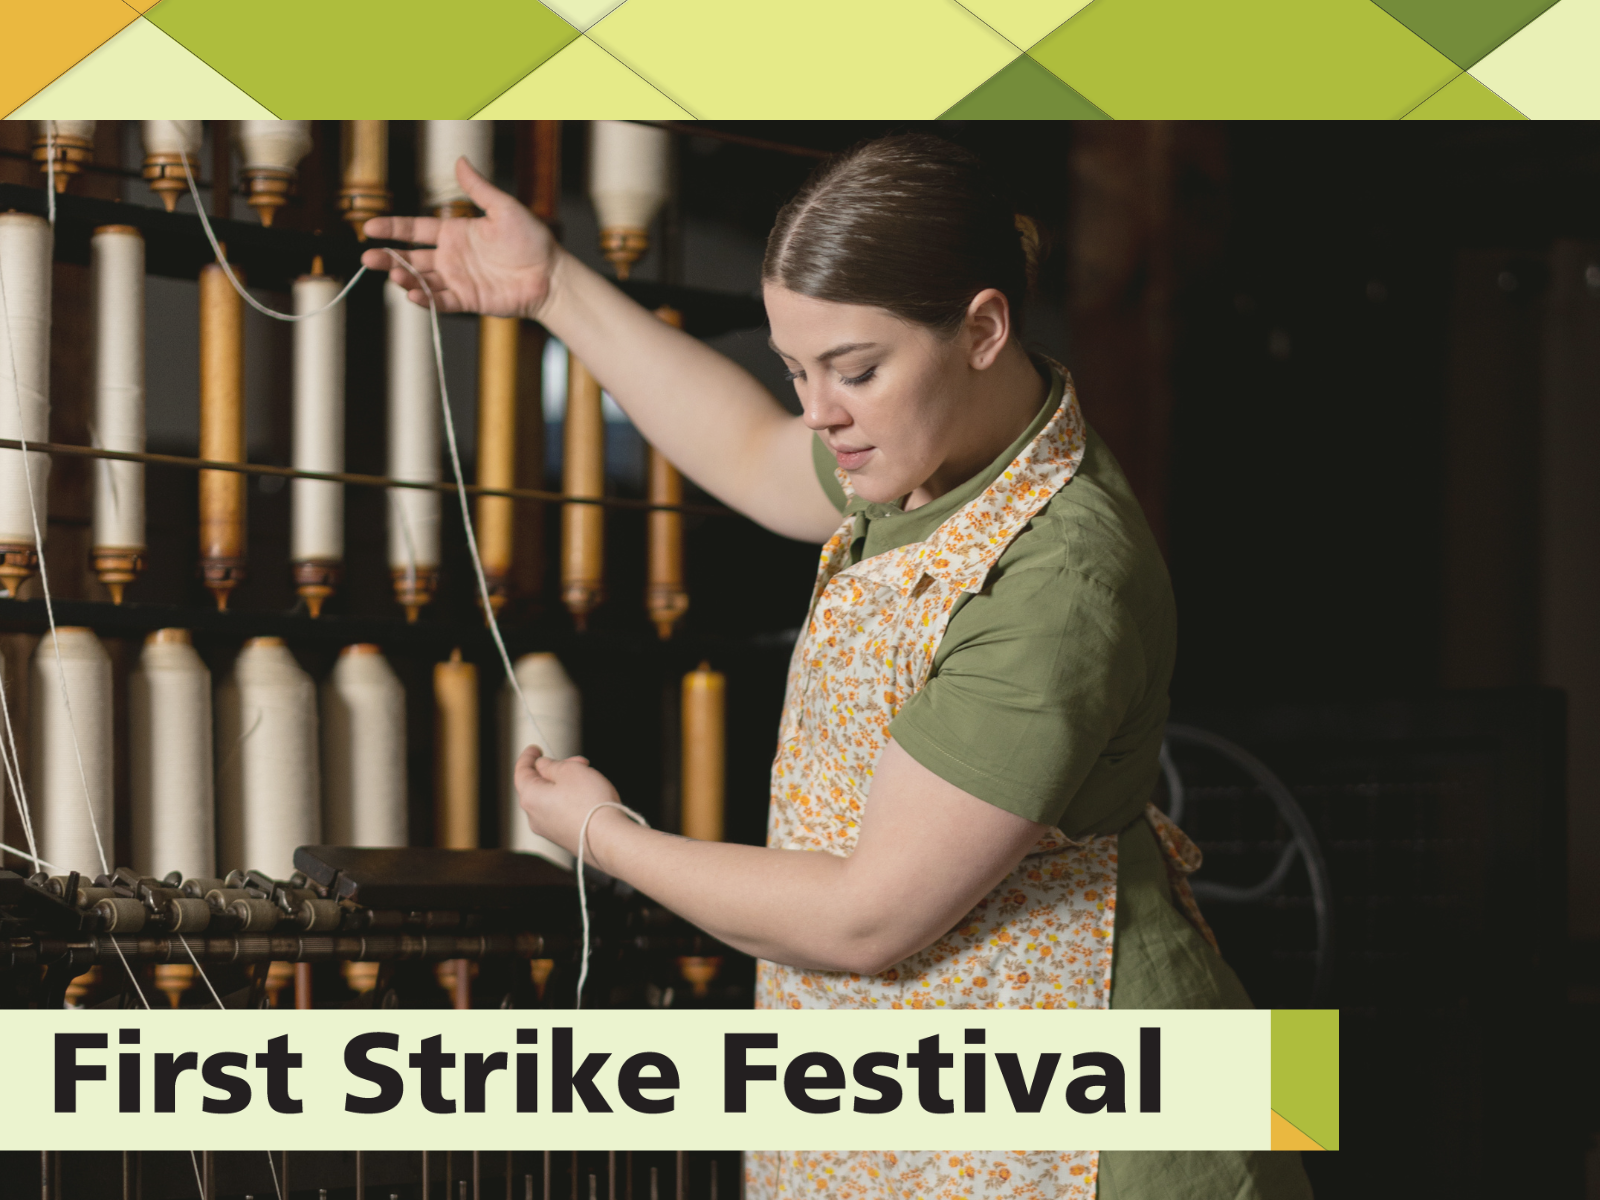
[[976, 704]]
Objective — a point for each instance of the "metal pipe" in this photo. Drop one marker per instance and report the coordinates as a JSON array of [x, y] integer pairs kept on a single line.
[[246, 468]]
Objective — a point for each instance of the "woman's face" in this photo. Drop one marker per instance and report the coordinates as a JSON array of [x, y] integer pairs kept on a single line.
[[886, 396]]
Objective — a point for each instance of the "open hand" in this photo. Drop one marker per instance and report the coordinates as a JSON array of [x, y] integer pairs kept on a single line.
[[557, 794], [499, 264]]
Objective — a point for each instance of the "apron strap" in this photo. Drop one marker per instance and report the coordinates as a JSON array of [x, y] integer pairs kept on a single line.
[[1182, 858]]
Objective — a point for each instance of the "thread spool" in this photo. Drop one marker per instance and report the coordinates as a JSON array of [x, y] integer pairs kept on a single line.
[[169, 719], [272, 151], [704, 752], [583, 526], [165, 145], [70, 143], [279, 976], [442, 142], [317, 522], [56, 788], [222, 493], [413, 452], [497, 449], [267, 777], [116, 267], [455, 696], [364, 147], [666, 598], [557, 710], [173, 980], [25, 254], [629, 174], [363, 750], [362, 977]]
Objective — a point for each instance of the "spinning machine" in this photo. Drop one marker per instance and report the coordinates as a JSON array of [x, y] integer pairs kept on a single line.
[[290, 832]]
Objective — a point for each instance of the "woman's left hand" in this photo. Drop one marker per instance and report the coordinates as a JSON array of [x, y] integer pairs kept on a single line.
[[557, 794]]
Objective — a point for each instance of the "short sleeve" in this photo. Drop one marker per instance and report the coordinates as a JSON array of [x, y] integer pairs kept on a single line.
[[823, 461], [1037, 684]]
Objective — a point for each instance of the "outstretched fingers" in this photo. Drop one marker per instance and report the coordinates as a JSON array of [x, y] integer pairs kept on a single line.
[[423, 230]]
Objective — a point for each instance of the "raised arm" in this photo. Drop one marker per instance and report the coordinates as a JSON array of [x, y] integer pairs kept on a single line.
[[708, 415]]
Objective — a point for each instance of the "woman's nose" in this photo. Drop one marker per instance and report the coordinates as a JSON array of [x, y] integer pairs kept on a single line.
[[821, 412]]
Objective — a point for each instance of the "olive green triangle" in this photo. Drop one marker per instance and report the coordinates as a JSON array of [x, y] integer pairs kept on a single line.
[[1464, 99], [1023, 90]]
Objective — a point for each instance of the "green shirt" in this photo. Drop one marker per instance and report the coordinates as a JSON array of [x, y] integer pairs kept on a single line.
[[1048, 698]]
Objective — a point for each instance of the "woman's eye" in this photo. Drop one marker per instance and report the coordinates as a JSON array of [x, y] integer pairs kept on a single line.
[[791, 376], [853, 380]]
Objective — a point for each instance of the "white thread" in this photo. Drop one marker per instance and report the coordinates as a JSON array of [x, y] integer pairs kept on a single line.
[[583, 891], [216, 249], [70, 720], [413, 436], [202, 971], [461, 492], [317, 507], [268, 789], [278, 1187], [363, 751], [116, 266], [33, 858], [200, 1183], [13, 768], [169, 727], [439, 145], [629, 167], [547, 689]]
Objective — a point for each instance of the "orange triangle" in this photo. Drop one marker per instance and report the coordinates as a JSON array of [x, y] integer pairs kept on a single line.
[[1286, 1137]]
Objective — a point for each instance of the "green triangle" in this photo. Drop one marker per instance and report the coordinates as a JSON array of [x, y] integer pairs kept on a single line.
[[1022, 90], [398, 60], [1464, 30], [1464, 99]]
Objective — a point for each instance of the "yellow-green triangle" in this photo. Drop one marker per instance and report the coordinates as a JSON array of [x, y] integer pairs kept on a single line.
[[1022, 90], [581, 82], [1464, 99], [1305, 1071], [141, 74]]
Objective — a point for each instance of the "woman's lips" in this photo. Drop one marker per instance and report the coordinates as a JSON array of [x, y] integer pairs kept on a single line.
[[849, 460]]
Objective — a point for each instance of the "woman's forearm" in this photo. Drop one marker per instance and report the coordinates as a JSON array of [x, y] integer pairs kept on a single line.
[[807, 909], [709, 416]]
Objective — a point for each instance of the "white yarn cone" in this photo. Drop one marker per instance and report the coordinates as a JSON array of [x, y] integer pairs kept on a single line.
[[169, 720], [413, 434], [267, 769], [318, 510], [116, 262], [558, 709], [171, 137], [56, 787], [25, 254], [364, 751], [441, 143], [628, 172], [274, 145]]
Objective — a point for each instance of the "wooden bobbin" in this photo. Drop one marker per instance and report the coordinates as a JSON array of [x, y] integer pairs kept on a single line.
[[704, 751], [69, 143], [455, 693], [497, 450], [365, 194], [279, 976], [361, 976], [666, 598], [222, 493], [173, 980], [583, 526]]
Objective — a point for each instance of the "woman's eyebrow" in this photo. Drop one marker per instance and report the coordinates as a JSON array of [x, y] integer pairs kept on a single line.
[[829, 355]]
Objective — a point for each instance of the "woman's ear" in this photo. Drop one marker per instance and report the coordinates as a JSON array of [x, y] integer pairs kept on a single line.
[[987, 326]]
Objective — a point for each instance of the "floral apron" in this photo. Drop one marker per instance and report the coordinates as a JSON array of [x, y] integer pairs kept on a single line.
[[1041, 939]]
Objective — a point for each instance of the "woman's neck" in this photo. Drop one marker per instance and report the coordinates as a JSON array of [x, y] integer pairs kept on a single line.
[[1005, 400]]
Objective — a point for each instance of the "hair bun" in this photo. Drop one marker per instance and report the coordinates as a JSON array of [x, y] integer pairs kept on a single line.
[[1032, 246]]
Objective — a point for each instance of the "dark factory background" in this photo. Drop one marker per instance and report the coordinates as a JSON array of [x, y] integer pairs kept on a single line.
[[1354, 376]]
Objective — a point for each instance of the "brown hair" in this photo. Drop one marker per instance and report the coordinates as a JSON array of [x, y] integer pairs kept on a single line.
[[909, 223]]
